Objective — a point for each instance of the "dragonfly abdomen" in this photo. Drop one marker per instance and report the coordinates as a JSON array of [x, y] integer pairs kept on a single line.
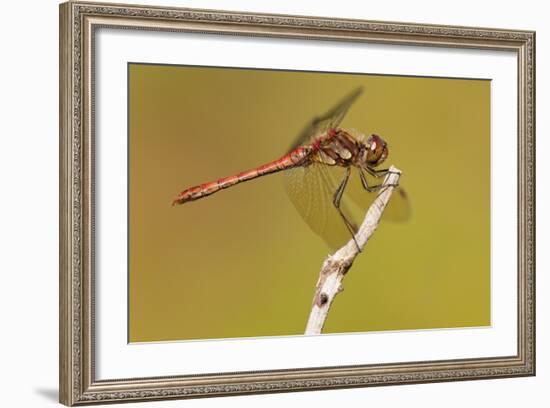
[[292, 159]]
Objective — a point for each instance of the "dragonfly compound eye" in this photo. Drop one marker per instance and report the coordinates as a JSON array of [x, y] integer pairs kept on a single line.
[[377, 150]]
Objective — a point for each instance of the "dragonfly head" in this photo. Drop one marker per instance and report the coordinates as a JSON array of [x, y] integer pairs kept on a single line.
[[377, 150]]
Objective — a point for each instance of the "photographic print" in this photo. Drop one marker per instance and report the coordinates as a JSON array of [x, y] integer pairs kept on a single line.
[[243, 181], [257, 203]]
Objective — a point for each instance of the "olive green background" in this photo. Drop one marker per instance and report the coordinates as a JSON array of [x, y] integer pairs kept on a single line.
[[242, 262]]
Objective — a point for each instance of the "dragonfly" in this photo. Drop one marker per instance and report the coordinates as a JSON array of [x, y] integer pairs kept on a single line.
[[319, 168]]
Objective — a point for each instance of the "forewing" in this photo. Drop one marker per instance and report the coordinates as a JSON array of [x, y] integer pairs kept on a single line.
[[329, 120]]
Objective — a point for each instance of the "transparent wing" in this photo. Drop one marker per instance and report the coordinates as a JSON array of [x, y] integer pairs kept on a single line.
[[399, 207], [311, 189], [330, 119], [397, 210]]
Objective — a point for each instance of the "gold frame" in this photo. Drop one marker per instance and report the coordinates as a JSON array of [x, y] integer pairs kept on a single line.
[[78, 22]]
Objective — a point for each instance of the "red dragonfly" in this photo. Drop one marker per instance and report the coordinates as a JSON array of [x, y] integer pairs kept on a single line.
[[319, 167]]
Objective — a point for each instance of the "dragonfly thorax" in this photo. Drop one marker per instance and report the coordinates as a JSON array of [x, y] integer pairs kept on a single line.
[[342, 148]]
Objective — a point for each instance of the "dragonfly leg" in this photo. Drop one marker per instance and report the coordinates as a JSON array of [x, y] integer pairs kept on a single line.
[[374, 173], [378, 173], [365, 183], [336, 201]]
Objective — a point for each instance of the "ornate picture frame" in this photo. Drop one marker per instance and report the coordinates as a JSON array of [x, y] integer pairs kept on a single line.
[[79, 22]]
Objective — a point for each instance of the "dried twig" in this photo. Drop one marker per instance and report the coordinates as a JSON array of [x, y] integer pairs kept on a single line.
[[336, 265]]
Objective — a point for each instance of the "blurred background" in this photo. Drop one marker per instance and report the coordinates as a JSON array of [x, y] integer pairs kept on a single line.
[[242, 262]]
